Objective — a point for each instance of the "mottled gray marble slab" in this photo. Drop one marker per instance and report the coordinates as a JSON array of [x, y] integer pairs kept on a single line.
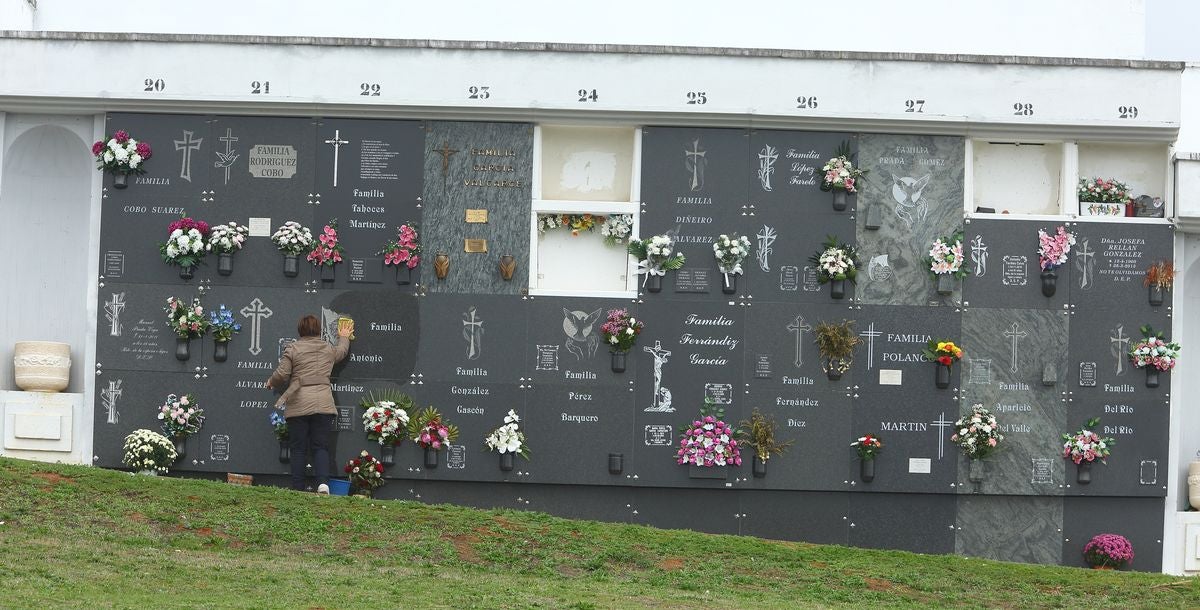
[[1010, 528]]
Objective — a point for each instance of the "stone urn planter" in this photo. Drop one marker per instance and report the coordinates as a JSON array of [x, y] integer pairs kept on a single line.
[[1194, 484], [42, 366]]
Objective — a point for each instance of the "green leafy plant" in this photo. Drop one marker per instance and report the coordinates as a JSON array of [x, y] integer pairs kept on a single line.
[[759, 432], [430, 431]]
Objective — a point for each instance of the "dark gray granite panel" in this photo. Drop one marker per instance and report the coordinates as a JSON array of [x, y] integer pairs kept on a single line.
[[781, 351], [1031, 530], [477, 408], [566, 345], [472, 337], [1138, 519], [1110, 261], [1005, 268], [661, 508], [918, 523], [572, 428], [788, 515]]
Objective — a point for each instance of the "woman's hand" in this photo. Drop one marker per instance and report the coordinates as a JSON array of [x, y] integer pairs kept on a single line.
[[267, 383], [345, 327]]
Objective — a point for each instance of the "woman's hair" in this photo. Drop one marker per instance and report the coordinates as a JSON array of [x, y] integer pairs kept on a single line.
[[309, 326]]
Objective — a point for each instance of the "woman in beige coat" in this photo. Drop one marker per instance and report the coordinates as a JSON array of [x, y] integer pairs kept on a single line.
[[307, 399]]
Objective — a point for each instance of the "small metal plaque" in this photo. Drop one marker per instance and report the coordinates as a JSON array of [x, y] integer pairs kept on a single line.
[[474, 245], [476, 216]]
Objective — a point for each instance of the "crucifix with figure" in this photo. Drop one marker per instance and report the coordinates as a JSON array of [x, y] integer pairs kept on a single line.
[[337, 143]]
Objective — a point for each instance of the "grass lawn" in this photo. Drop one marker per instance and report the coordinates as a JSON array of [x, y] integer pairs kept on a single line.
[[77, 537]]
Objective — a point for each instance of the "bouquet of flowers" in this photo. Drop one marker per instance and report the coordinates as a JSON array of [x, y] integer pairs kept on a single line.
[[1153, 351], [867, 446], [616, 229], [947, 259], [1108, 550], [327, 251], [574, 222], [430, 431], [222, 325], [365, 472], [835, 261], [292, 238], [1099, 190], [840, 173], [942, 352], [656, 255], [709, 441], [279, 426], [621, 330], [386, 417], [227, 238], [1161, 275], [508, 438], [730, 252], [405, 249], [181, 416], [1085, 445], [1053, 249], [186, 320], [185, 242], [549, 222], [148, 450], [977, 433], [121, 154]]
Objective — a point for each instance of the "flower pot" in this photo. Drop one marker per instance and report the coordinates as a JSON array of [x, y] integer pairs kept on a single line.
[[506, 461], [220, 351], [1151, 377], [729, 286], [285, 452], [616, 463], [507, 266], [441, 265], [225, 263], [1083, 472], [120, 181], [1156, 296], [339, 487], [833, 370], [1049, 283], [941, 376], [41, 366], [945, 283], [708, 472], [975, 471], [1194, 484], [837, 289], [431, 457], [187, 271], [839, 200], [387, 455], [654, 283], [618, 361], [403, 275], [291, 265], [760, 468], [181, 348], [180, 446], [327, 273], [866, 470]]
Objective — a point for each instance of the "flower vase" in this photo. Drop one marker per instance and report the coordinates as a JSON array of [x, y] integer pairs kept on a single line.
[[187, 271], [833, 370], [941, 376], [654, 283], [618, 361], [839, 200], [760, 468], [837, 289], [220, 351], [120, 181], [616, 463], [431, 457], [506, 461], [1083, 472], [291, 265], [225, 263], [441, 265], [866, 470], [403, 275], [327, 274], [1049, 283], [975, 471], [945, 283], [729, 286], [180, 443], [1156, 296], [181, 348], [507, 266], [387, 454], [285, 452], [1151, 377]]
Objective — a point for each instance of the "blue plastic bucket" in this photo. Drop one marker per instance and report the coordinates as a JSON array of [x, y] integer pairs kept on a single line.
[[339, 487]]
